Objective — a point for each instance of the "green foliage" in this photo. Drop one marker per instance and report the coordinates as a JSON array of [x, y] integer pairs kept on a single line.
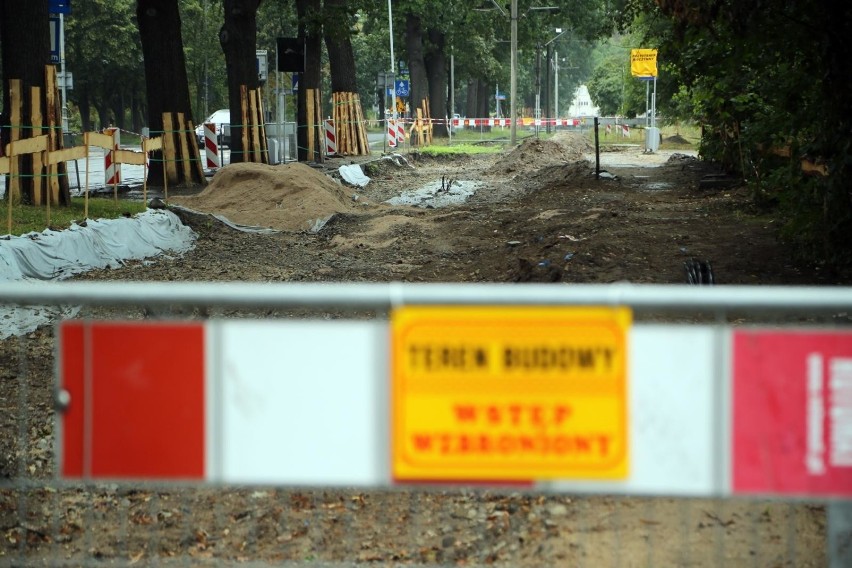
[[31, 218], [104, 53], [764, 77]]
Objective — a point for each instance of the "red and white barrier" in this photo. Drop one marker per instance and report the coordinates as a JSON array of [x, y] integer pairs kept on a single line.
[[667, 416], [112, 169], [625, 131], [400, 133], [211, 146], [330, 138], [392, 133], [456, 122], [608, 129]]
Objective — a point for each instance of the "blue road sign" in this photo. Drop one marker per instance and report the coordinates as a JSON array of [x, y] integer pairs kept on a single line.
[[295, 81], [59, 7], [54, 39], [402, 88]]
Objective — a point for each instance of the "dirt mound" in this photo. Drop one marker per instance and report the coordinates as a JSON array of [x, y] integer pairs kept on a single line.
[[292, 197], [535, 153], [677, 139], [575, 142]]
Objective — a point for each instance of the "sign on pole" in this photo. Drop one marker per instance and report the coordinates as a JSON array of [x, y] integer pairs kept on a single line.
[[643, 63]]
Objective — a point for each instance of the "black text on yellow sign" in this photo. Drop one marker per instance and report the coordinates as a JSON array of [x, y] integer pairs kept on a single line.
[[509, 393]]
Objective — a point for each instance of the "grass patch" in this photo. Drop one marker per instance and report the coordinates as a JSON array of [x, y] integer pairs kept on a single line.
[[31, 218], [443, 149]]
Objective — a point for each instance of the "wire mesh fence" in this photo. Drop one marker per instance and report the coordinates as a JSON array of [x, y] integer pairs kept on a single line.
[[49, 520]]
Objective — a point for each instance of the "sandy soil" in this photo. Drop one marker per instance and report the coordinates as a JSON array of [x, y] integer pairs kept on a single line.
[[539, 214]]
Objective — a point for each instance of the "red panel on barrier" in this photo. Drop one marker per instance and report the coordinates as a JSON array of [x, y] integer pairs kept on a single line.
[[144, 413], [792, 413]]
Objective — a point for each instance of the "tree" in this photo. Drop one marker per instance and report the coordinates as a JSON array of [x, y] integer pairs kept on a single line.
[[26, 54], [205, 62], [165, 77], [310, 36], [238, 38], [103, 49]]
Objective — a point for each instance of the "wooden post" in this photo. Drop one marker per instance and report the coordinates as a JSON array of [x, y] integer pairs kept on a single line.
[[14, 189], [264, 147], [320, 129], [51, 92], [169, 166], [255, 134], [246, 157], [13, 167], [38, 165], [309, 118], [186, 158]]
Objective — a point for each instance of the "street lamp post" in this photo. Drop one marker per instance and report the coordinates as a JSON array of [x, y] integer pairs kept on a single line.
[[513, 88]]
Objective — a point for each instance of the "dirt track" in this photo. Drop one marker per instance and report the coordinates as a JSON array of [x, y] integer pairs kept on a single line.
[[540, 215]]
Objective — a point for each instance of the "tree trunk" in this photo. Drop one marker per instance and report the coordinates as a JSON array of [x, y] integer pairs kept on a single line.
[[238, 38], [419, 88], [470, 105], [25, 55], [310, 32], [85, 108], [436, 68], [166, 84], [341, 57], [347, 112]]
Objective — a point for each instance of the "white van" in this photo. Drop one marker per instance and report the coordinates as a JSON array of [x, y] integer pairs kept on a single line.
[[222, 119]]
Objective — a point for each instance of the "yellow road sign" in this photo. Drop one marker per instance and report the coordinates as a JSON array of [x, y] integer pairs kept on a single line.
[[509, 393], [643, 62]]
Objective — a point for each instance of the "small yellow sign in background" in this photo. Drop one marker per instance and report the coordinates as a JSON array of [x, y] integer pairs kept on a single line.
[[509, 393], [643, 62]]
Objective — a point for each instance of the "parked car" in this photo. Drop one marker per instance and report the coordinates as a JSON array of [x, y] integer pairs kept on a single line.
[[222, 119]]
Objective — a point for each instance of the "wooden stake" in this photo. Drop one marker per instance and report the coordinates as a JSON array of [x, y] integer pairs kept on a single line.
[[14, 189], [38, 166], [186, 163], [264, 146], [309, 118], [169, 166], [255, 134], [244, 124], [13, 167], [53, 119], [320, 136]]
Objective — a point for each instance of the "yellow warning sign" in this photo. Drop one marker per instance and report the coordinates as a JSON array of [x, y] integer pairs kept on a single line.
[[643, 62], [509, 393]]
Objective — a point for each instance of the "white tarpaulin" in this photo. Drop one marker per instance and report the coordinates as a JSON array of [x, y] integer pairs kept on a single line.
[[102, 243], [354, 175]]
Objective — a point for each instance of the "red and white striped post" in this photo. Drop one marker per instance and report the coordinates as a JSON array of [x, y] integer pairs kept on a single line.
[[400, 132], [392, 134], [330, 138], [211, 146], [112, 170]]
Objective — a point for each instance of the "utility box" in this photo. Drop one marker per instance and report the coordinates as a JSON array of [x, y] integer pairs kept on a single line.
[[652, 139]]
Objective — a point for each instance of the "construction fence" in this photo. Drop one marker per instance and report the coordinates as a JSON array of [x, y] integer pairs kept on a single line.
[[405, 424]]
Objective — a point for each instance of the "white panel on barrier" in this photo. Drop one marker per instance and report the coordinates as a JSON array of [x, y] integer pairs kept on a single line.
[[303, 403], [672, 420]]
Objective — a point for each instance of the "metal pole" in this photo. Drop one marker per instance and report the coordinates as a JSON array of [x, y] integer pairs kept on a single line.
[[547, 107], [556, 84], [641, 297], [537, 112], [452, 85], [64, 76], [393, 63], [513, 88]]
